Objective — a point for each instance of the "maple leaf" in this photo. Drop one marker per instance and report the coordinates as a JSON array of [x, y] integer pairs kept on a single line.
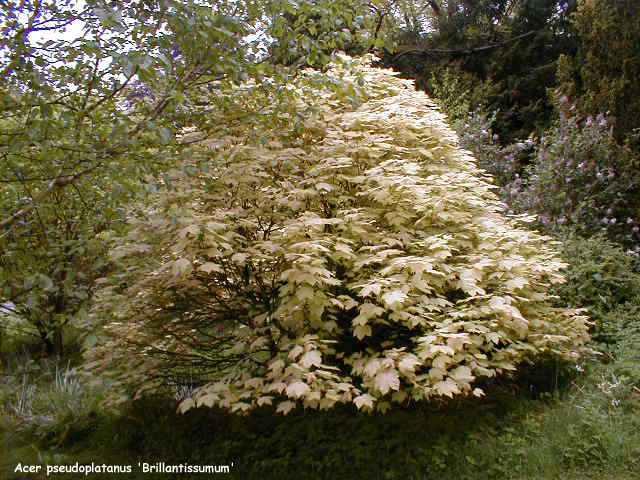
[[372, 367], [370, 288], [394, 297], [408, 363], [266, 400], [362, 331], [462, 374], [387, 380], [367, 311], [364, 400], [297, 389], [285, 407], [447, 388], [311, 358]]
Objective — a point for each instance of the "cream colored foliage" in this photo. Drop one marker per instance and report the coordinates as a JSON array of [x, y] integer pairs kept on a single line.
[[349, 250]]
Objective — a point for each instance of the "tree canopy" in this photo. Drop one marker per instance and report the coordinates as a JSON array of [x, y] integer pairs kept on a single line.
[[89, 122]]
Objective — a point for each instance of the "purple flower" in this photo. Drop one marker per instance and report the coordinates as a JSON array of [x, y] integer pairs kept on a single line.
[[562, 220], [635, 229], [564, 99], [610, 211], [612, 221], [582, 165]]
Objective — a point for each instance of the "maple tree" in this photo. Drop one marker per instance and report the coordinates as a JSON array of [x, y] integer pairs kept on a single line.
[[336, 247]]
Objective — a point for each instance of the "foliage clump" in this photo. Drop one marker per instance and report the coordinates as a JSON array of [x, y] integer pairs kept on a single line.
[[605, 279], [356, 256]]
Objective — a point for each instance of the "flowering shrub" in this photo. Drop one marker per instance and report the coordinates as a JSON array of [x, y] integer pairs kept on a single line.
[[503, 163], [576, 180], [575, 177]]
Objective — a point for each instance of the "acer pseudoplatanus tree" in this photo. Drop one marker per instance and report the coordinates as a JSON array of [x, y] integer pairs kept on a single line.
[[340, 248]]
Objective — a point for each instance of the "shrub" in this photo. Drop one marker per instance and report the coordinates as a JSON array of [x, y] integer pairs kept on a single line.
[[452, 88], [503, 163], [605, 279], [363, 260], [575, 180]]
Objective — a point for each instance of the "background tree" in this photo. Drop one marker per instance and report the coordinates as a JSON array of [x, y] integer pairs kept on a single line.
[[601, 78], [504, 53]]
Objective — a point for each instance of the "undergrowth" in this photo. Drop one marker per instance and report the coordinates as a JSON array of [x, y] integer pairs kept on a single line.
[[553, 421]]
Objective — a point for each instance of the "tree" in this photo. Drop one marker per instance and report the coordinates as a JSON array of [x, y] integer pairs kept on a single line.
[[601, 76], [343, 249], [89, 118], [505, 51]]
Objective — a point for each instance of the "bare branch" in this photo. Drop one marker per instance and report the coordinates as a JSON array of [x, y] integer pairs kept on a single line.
[[466, 50]]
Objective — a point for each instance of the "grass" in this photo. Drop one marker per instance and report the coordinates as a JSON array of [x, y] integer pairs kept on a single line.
[[550, 423]]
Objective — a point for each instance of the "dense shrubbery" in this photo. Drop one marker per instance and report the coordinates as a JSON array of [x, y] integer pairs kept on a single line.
[[363, 259], [576, 179], [605, 279], [576, 176]]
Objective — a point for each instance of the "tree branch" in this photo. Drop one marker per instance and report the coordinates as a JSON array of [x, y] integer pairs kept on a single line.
[[465, 50], [57, 182]]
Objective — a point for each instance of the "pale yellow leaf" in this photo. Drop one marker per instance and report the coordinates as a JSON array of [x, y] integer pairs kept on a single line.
[[311, 358], [394, 297], [362, 331], [295, 352], [365, 400], [285, 407], [297, 389], [387, 380]]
